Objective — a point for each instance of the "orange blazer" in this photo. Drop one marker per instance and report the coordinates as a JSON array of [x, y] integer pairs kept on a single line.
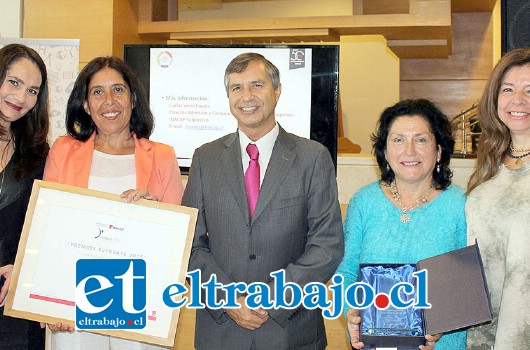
[[157, 170]]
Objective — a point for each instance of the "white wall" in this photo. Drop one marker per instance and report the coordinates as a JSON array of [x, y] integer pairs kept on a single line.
[[11, 18]]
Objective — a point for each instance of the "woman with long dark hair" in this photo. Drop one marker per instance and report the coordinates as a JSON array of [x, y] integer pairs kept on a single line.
[[23, 150]]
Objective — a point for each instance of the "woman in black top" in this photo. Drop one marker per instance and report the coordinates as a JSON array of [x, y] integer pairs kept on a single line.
[[23, 151]]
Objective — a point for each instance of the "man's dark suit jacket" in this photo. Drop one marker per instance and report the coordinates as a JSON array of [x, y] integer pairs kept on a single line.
[[296, 226]]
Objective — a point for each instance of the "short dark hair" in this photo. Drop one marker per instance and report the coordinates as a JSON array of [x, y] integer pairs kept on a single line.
[[79, 124], [240, 63], [30, 133], [439, 125]]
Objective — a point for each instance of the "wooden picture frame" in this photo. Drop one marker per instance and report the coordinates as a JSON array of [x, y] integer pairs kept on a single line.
[[65, 223]]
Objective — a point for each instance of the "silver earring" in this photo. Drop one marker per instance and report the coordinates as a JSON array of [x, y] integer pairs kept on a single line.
[[387, 167], [438, 168]]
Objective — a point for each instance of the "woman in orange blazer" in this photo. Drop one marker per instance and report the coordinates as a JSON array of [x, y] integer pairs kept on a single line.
[[108, 121], [157, 171]]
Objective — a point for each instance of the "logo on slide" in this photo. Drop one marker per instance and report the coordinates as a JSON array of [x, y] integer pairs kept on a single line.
[[296, 58], [164, 59], [111, 294]]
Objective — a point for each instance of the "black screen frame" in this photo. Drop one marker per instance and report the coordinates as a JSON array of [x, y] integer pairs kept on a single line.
[[324, 85]]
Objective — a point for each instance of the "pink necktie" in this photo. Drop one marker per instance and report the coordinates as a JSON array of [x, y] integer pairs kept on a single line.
[[252, 178]]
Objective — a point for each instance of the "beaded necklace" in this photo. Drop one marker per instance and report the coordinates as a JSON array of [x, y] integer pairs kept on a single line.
[[518, 161], [518, 149], [404, 218]]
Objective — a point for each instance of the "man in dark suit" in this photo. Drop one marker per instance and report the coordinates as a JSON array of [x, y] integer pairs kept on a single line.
[[295, 224]]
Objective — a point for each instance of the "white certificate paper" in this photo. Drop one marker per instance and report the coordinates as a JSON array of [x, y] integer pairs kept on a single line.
[[65, 223]]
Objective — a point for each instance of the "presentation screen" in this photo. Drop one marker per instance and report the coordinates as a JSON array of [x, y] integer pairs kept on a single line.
[[185, 84]]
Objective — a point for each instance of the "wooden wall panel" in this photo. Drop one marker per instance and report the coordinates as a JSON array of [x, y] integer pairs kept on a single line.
[[336, 334], [185, 329], [457, 82], [472, 5], [451, 96], [376, 7], [471, 56], [91, 21], [125, 27]]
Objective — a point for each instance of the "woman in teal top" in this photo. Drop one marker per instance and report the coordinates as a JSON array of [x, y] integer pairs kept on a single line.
[[413, 212]]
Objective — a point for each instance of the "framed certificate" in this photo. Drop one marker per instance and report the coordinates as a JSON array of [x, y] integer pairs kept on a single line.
[[65, 223]]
